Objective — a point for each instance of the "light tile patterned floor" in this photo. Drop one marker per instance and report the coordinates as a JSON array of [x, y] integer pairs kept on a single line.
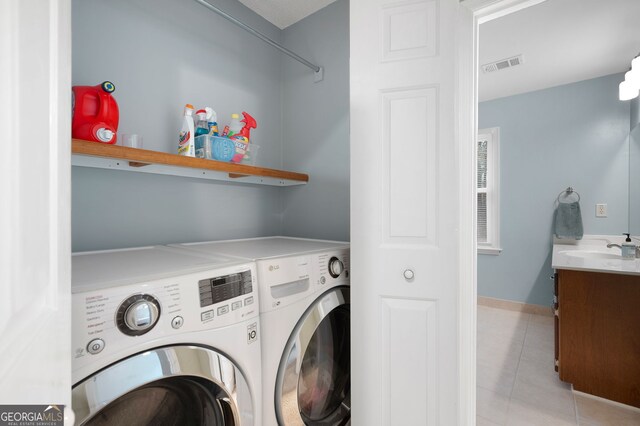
[[517, 384]]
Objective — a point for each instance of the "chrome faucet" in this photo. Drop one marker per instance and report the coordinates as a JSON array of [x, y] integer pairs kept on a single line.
[[618, 245]]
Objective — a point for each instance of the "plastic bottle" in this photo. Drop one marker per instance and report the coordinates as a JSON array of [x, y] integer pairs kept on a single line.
[[186, 144], [95, 113], [628, 248], [242, 138], [235, 126], [212, 121], [202, 126]]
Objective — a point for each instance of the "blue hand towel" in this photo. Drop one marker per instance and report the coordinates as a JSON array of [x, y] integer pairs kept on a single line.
[[568, 221]]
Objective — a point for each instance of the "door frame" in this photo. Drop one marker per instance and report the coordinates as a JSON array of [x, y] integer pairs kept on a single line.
[[35, 248], [472, 14]]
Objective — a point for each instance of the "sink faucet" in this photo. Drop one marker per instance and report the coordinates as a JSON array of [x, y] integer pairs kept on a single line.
[[618, 245]]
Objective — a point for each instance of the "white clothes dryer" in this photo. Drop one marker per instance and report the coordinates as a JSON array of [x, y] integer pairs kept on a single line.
[[165, 337], [305, 323]]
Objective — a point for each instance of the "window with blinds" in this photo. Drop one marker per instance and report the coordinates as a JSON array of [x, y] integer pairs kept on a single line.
[[482, 190], [487, 191]]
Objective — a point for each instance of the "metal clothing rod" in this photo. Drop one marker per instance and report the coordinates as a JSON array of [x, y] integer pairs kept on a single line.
[[261, 36]]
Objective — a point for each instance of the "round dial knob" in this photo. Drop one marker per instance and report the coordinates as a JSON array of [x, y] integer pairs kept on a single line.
[[336, 267], [138, 314]]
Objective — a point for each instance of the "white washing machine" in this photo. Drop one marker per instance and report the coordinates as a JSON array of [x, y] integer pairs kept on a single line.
[[305, 323], [165, 337]]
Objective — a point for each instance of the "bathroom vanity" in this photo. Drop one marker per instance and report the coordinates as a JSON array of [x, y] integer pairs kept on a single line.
[[597, 320]]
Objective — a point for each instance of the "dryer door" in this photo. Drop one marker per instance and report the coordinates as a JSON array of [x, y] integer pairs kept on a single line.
[[178, 385], [313, 385]]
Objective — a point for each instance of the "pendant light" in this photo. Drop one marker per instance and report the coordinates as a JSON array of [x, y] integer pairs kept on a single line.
[[630, 87], [627, 91]]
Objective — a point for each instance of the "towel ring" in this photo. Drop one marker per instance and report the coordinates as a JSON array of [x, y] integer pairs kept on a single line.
[[568, 192]]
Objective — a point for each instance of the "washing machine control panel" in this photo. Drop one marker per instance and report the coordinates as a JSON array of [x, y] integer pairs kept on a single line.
[[222, 288], [110, 323], [138, 314]]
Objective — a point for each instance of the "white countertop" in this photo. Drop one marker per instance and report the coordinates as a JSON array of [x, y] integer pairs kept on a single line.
[[591, 254]]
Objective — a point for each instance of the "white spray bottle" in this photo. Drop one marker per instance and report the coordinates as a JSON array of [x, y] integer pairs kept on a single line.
[[186, 145]]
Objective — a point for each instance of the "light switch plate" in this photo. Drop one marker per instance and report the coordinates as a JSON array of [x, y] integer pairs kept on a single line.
[[601, 210]]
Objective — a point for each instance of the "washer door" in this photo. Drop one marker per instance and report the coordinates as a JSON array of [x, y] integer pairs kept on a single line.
[[179, 385], [314, 379]]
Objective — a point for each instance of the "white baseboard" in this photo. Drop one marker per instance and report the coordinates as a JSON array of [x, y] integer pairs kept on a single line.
[[510, 305]]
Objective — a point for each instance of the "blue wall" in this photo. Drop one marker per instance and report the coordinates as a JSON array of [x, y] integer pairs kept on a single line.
[[315, 126], [572, 135], [162, 54]]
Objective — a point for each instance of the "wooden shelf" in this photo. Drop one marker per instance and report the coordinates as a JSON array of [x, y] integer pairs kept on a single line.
[[98, 155]]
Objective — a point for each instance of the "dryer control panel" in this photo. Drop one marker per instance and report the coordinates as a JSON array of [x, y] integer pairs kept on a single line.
[[332, 268], [286, 280]]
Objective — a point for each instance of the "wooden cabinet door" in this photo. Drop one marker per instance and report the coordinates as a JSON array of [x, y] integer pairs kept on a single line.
[[556, 323], [600, 334]]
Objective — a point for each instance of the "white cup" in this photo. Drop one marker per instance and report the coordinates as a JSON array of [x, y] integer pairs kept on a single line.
[[133, 140]]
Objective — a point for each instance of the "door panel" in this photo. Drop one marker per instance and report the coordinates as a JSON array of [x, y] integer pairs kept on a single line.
[[35, 251], [405, 212], [410, 30], [410, 348], [406, 181]]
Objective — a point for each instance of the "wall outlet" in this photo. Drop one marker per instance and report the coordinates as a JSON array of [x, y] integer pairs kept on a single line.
[[601, 210]]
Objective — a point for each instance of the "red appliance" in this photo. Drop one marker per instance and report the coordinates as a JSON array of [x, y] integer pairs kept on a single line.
[[95, 113]]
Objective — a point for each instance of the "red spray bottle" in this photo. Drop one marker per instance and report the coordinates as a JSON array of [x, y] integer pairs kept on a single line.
[[241, 140]]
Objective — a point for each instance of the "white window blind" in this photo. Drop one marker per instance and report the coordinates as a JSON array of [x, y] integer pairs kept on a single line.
[[483, 144], [488, 179]]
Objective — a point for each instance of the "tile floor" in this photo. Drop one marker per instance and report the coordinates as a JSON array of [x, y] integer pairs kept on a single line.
[[517, 384]]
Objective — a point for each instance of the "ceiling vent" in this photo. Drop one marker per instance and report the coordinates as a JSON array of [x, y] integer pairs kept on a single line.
[[502, 64]]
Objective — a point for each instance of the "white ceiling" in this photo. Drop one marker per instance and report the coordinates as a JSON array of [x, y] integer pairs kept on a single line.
[[562, 41], [283, 13]]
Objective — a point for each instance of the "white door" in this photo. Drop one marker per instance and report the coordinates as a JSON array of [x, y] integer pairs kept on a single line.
[[406, 221], [35, 252]]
